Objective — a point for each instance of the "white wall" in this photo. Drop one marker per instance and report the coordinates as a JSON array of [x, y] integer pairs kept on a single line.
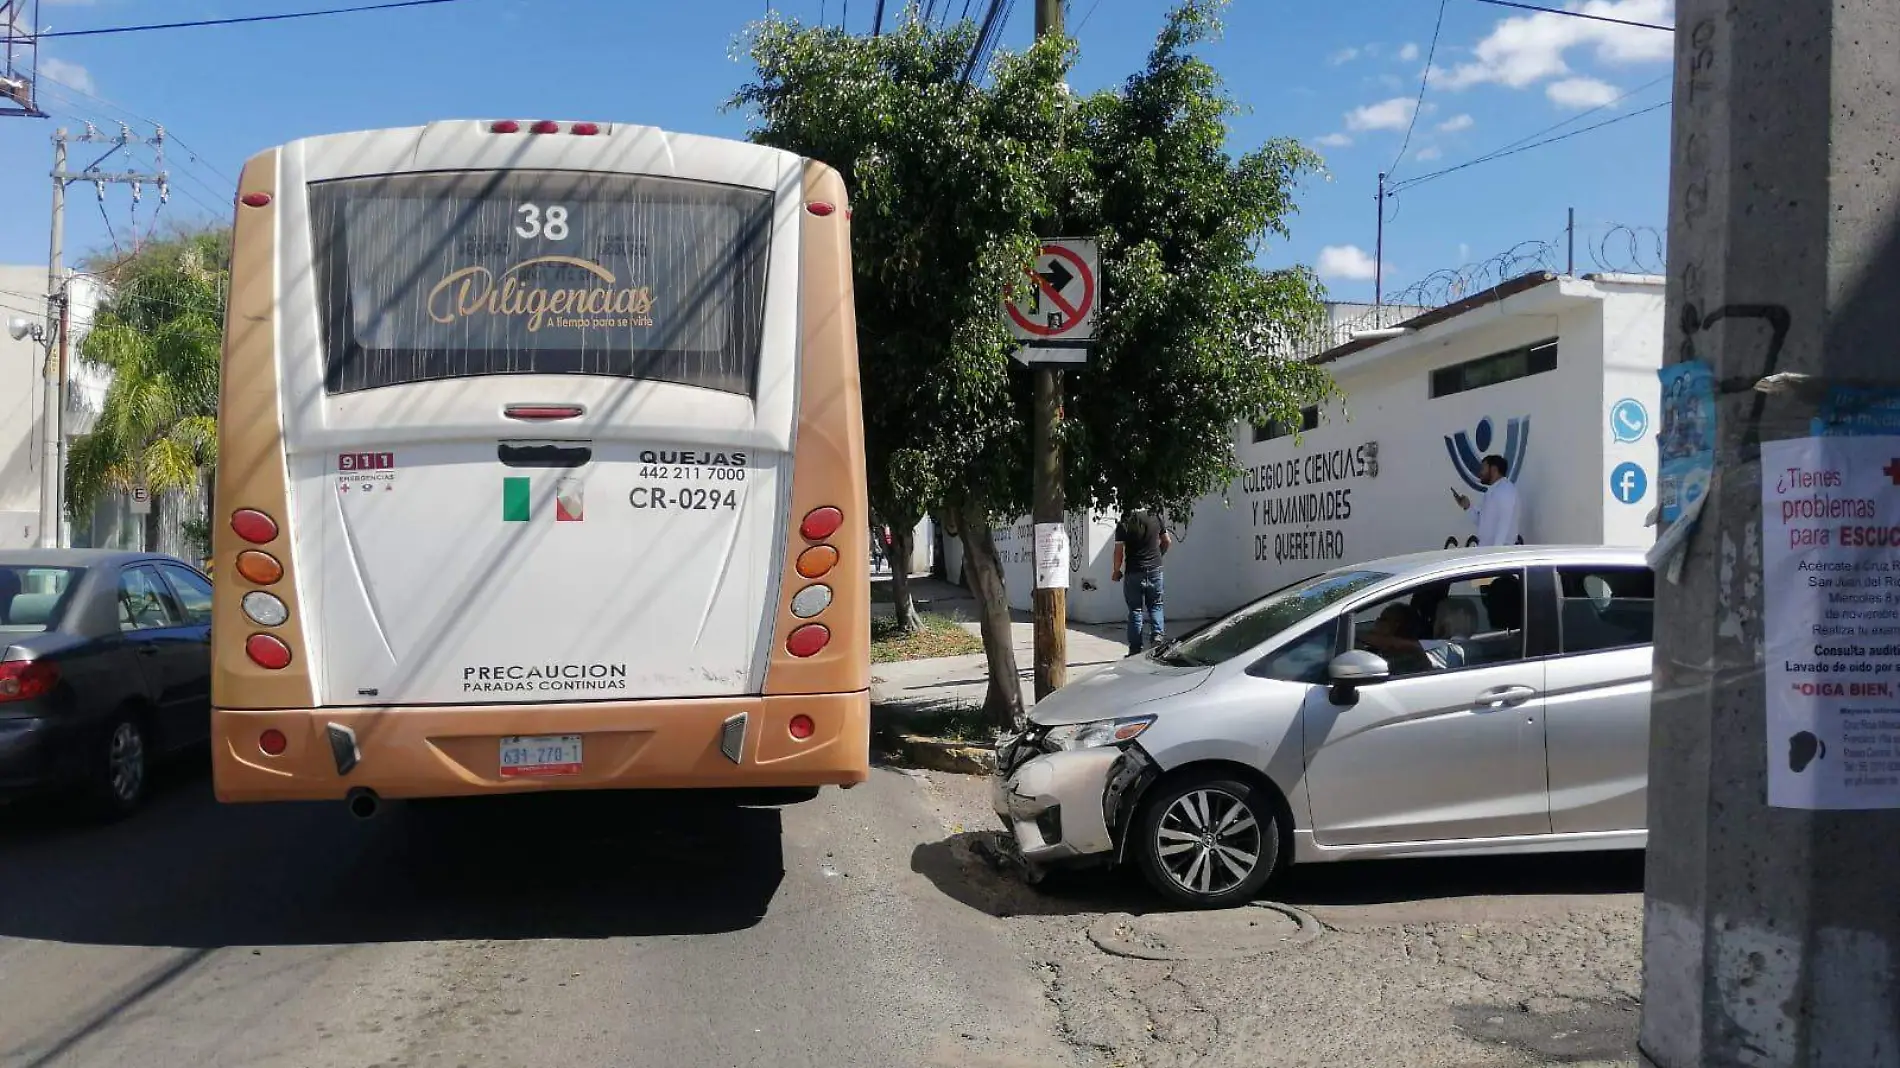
[[22, 290], [1375, 478]]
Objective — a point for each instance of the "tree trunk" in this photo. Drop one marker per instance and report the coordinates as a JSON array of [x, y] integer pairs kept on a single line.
[[156, 501], [902, 603], [983, 573]]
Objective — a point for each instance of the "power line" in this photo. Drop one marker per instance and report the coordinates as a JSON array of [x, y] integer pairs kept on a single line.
[[1579, 15], [172, 135], [1423, 178], [1552, 128], [235, 21], [1424, 79]]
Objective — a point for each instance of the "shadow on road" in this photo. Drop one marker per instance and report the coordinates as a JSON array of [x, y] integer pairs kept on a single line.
[[967, 869], [192, 873]]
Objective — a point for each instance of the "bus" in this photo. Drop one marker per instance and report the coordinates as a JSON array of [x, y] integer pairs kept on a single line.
[[541, 467]]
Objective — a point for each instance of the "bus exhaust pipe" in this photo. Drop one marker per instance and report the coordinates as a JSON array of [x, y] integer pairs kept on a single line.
[[363, 803]]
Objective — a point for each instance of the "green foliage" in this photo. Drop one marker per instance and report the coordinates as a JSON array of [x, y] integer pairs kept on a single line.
[[947, 184], [1187, 343], [159, 334]]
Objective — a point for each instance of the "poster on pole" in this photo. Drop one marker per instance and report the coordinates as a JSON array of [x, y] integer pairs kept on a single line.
[[1052, 556], [1831, 589]]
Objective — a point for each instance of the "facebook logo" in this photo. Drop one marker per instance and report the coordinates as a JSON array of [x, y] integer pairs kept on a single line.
[[1628, 483]]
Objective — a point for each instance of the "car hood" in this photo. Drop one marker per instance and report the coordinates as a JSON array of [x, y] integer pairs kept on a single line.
[[1115, 691]]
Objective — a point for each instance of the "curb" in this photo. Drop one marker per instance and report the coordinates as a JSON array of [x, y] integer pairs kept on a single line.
[[957, 758]]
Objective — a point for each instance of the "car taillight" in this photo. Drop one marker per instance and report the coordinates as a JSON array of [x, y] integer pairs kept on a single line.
[[23, 680], [808, 640], [254, 526], [821, 523], [267, 651]]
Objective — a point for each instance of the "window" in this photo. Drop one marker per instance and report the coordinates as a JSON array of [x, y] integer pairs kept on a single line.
[[1606, 607], [33, 598], [1309, 420], [1283, 610], [1446, 625], [425, 277], [194, 593], [1491, 370], [1304, 659], [144, 602]]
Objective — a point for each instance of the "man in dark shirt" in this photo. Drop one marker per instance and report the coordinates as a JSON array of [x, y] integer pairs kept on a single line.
[[1141, 540]]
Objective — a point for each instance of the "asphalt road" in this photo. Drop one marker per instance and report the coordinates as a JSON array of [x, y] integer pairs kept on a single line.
[[573, 930]]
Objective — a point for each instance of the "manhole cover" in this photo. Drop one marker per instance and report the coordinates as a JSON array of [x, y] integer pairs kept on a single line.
[[1248, 931]]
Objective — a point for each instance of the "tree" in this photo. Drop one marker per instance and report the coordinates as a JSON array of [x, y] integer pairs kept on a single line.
[[947, 180], [951, 181], [1192, 337], [159, 334]]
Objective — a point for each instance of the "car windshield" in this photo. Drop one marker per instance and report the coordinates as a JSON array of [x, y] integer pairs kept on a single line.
[[1249, 626], [32, 598]]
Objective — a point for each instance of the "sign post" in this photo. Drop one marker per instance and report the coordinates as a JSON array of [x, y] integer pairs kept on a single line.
[[1054, 316]]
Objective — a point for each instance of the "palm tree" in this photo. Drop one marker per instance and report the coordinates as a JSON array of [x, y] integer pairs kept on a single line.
[[159, 335]]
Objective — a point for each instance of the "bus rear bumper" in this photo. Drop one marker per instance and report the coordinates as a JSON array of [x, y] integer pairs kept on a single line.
[[449, 751]]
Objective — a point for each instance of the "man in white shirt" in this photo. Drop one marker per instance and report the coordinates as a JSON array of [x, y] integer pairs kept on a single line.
[[1497, 514]]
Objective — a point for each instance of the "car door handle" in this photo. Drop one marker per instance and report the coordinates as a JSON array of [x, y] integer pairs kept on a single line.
[[148, 650], [1502, 696]]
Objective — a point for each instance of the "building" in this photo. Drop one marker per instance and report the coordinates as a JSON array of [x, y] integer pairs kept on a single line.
[[1556, 373], [23, 295]]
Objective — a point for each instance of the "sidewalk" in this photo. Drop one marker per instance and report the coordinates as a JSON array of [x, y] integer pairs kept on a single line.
[[915, 686]]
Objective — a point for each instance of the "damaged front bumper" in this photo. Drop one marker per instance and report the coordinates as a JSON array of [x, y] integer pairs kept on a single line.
[[1066, 808]]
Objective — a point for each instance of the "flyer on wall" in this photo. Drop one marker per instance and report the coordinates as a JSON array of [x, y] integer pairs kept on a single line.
[[1831, 580]]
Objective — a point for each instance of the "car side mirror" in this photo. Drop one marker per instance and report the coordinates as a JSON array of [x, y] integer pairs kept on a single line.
[[1349, 671]]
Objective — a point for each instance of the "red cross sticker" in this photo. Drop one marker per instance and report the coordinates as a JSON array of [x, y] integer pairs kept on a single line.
[[1892, 470]]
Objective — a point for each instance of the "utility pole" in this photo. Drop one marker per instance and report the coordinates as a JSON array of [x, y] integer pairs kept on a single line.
[[1771, 926], [1051, 606], [1378, 258], [59, 297]]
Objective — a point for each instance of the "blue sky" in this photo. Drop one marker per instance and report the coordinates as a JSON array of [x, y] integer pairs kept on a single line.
[[1341, 75]]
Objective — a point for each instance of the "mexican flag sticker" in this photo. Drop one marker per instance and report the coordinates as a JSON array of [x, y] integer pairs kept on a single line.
[[567, 500], [514, 500]]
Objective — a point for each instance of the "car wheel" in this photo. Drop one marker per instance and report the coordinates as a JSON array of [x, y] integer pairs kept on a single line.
[[1208, 841], [122, 768]]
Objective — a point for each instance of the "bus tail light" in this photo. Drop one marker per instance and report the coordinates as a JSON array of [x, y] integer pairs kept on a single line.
[[255, 200], [821, 523], [537, 412], [272, 742], [801, 727], [545, 126], [261, 568], [504, 126], [820, 208], [806, 603], [808, 640], [267, 651], [584, 129], [23, 680], [816, 561], [254, 526], [264, 609]]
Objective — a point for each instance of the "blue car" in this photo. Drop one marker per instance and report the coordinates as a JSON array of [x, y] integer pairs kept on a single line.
[[105, 667]]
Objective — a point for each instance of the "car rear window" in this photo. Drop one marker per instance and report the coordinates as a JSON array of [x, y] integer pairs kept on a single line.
[[33, 599]]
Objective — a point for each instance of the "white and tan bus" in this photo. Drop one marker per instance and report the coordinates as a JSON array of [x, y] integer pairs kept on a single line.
[[541, 466]]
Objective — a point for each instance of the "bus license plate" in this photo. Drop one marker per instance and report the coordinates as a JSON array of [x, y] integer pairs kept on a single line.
[[540, 757]]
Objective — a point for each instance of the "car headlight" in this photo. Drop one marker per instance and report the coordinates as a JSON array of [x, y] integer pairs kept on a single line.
[[1098, 733]]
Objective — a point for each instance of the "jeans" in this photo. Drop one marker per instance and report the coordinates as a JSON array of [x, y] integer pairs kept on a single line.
[[1142, 591]]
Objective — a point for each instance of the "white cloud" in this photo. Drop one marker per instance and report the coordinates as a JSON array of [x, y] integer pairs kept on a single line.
[[1428, 154], [1457, 124], [1344, 55], [1408, 52], [68, 74], [1581, 93], [1335, 140], [1393, 114], [1523, 50], [1349, 262]]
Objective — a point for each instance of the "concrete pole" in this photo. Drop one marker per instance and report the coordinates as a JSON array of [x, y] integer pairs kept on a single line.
[[51, 470], [1772, 935], [1051, 606]]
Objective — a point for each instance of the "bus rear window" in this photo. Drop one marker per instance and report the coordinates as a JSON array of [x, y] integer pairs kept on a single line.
[[427, 277]]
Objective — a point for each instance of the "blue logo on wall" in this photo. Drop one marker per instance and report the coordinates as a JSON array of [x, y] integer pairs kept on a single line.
[[1468, 450], [1628, 483], [1629, 421]]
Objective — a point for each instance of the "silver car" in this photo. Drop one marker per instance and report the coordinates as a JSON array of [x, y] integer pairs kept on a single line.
[[1461, 702]]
